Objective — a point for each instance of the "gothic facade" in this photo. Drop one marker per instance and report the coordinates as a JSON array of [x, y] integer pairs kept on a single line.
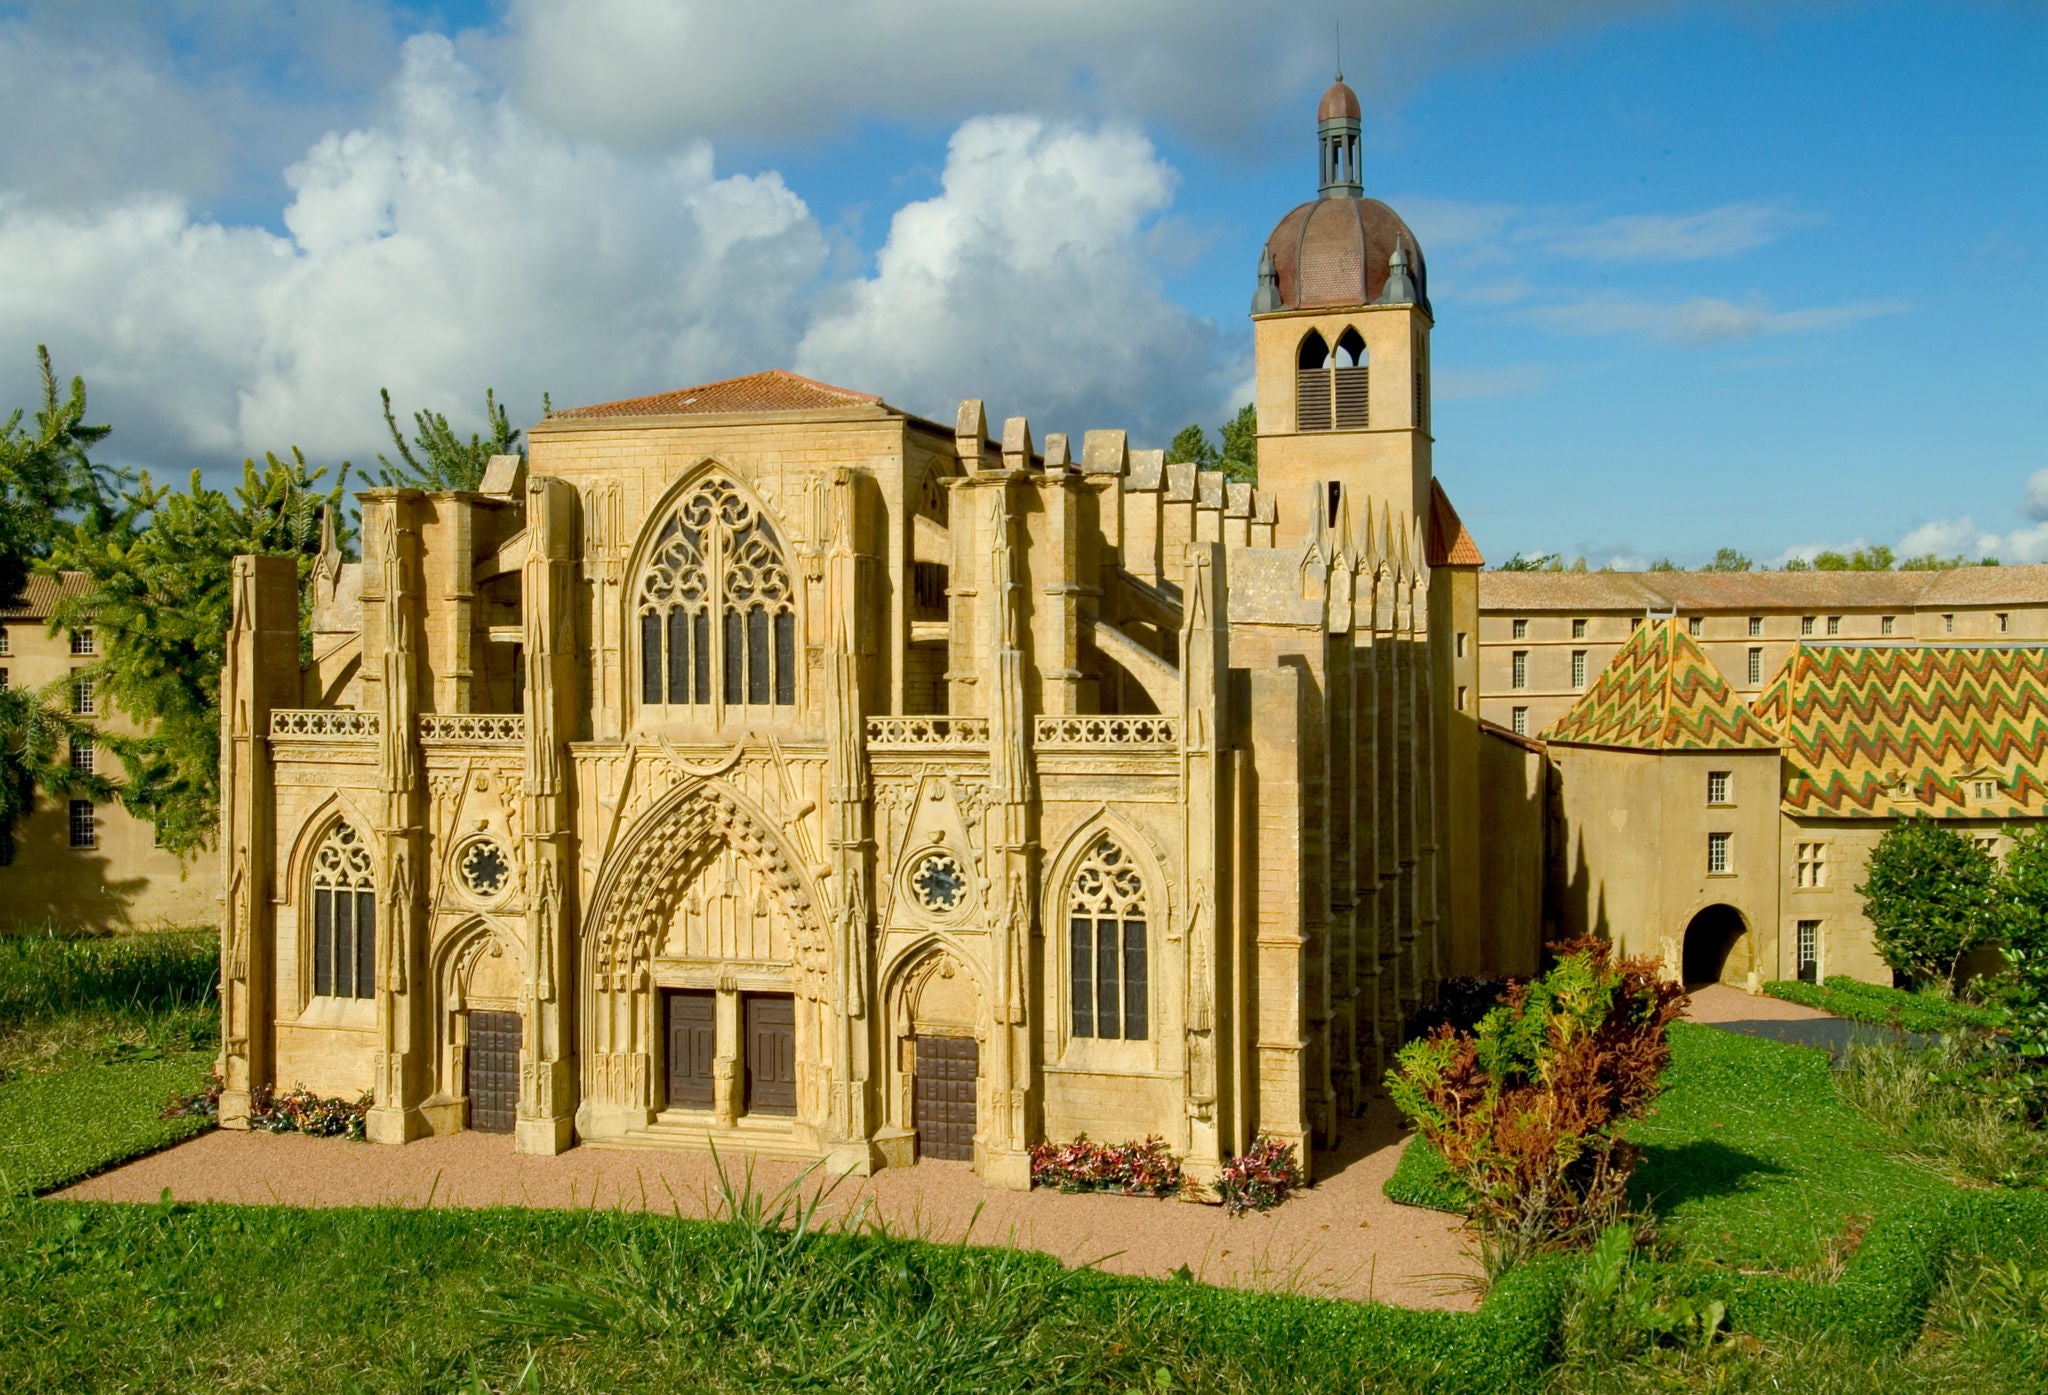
[[763, 764]]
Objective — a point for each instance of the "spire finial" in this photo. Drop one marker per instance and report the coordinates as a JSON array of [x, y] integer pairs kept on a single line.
[[1337, 25]]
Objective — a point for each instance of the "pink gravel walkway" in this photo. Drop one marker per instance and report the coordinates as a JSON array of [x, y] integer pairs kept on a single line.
[[1721, 1002], [1341, 1238]]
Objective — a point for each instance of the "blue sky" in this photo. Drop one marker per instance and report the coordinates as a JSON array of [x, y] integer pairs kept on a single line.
[[1768, 276]]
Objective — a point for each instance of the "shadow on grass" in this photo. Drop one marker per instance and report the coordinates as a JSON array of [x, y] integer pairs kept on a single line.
[[1672, 1174]]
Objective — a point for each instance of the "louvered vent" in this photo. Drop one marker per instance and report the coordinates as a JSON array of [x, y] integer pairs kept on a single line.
[[1352, 401], [1312, 400]]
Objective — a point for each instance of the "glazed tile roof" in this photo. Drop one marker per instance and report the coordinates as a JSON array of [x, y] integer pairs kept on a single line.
[[1661, 693], [773, 391], [1880, 731], [42, 593], [1449, 543], [1692, 592]]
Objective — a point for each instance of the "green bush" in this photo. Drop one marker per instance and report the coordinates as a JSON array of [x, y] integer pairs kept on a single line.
[[63, 1125], [1930, 1012], [1422, 1178], [1931, 896]]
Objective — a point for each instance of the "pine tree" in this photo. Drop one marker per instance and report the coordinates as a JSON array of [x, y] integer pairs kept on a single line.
[[160, 597], [451, 462]]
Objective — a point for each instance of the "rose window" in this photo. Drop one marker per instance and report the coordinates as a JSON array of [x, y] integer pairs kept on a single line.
[[939, 883], [483, 869]]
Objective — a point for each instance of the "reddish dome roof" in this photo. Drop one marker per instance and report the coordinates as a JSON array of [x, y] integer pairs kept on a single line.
[[1335, 251], [1339, 103]]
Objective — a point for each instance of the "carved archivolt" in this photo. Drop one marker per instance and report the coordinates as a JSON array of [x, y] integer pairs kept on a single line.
[[664, 855]]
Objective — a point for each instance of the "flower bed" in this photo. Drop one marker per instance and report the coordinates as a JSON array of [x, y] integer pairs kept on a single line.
[[295, 1111], [1260, 1179], [1129, 1169]]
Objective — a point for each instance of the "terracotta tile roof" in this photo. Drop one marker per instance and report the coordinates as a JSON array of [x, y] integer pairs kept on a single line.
[[1515, 592], [1881, 731], [1449, 543], [1661, 693], [1693, 592], [773, 391], [40, 596]]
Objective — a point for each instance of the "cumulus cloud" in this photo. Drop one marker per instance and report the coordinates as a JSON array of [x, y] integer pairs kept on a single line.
[[455, 242], [2034, 504], [1031, 272], [450, 245], [1704, 320]]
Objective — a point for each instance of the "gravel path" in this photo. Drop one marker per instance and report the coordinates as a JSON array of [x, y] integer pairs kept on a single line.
[[1720, 1002], [1341, 1238]]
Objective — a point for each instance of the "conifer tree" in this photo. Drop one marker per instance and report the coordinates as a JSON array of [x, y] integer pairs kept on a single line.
[[449, 461]]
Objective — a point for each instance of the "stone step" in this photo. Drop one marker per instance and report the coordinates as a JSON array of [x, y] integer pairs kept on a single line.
[[672, 1131]]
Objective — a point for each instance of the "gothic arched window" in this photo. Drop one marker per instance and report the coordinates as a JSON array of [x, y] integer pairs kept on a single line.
[[1106, 945], [717, 612], [344, 917]]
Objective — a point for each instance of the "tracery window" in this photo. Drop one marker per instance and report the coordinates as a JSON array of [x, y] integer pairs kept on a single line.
[[717, 612], [1106, 945], [344, 917]]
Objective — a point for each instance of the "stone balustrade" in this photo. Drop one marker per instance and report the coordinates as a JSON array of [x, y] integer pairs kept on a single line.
[[1106, 732], [323, 722], [496, 728], [928, 731]]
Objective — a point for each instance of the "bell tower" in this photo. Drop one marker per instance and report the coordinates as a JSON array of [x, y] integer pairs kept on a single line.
[[1340, 333]]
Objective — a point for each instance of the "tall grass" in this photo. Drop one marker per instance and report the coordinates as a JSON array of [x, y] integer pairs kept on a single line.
[[45, 974], [1937, 1102]]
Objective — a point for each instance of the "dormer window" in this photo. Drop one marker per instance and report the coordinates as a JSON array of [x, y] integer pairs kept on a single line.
[[1983, 791]]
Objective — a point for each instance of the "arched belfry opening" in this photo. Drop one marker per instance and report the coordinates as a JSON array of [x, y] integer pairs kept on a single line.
[[1710, 940], [1348, 381], [1312, 384]]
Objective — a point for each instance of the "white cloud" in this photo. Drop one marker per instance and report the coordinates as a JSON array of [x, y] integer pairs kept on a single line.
[[1673, 237], [454, 243], [1704, 320], [2035, 502], [449, 246], [1029, 275]]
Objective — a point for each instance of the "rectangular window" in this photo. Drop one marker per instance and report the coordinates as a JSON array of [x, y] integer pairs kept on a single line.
[[1578, 668], [1520, 721], [1461, 697], [1106, 996], [1460, 641], [1635, 622], [1806, 624], [1810, 866], [1081, 982], [1756, 665], [1717, 787], [650, 657], [1521, 628], [1756, 626], [1717, 853], [1884, 624], [1808, 951], [1521, 669], [85, 824], [1834, 624], [1137, 1023], [1693, 625], [1984, 791], [3, 680], [1948, 624], [1987, 843], [81, 641], [2002, 619], [1578, 629], [81, 754], [83, 701], [4, 649]]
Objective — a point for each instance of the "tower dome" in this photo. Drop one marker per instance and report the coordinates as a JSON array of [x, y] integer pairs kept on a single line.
[[1340, 248]]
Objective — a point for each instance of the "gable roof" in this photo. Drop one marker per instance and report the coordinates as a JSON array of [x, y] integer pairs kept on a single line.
[[1873, 732], [775, 390], [1661, 693], [1448, 544], [42, 592]]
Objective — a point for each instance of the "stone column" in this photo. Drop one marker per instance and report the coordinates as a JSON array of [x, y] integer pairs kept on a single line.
[[262, 672], [392, 642], [1276, 722], [548, 1087], [1206, 893]]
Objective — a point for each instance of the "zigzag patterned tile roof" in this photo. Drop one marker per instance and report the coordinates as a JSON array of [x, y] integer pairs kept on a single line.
[[1661, 693], [1876, 732]]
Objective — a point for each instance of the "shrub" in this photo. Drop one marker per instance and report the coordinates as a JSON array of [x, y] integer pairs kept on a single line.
[[2023, 988], [1527, 1111], [1260, 1179], [1130, 1169], [1949, 1103], [1931, 897], [1928, 1012]]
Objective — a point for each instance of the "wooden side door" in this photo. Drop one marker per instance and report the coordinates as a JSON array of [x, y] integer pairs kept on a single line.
[[943, 1077], [692, 1043], [771, 1053], [492, 1068]]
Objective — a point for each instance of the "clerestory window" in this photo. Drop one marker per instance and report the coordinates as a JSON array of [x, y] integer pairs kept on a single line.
[[717, 611]]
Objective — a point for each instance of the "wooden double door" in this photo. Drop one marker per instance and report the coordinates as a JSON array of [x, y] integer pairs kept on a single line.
[[492, 1068], [768, 1024], [943, 1077]]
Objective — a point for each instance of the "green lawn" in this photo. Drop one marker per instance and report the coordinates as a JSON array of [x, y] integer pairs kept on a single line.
[[59, 1126]]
